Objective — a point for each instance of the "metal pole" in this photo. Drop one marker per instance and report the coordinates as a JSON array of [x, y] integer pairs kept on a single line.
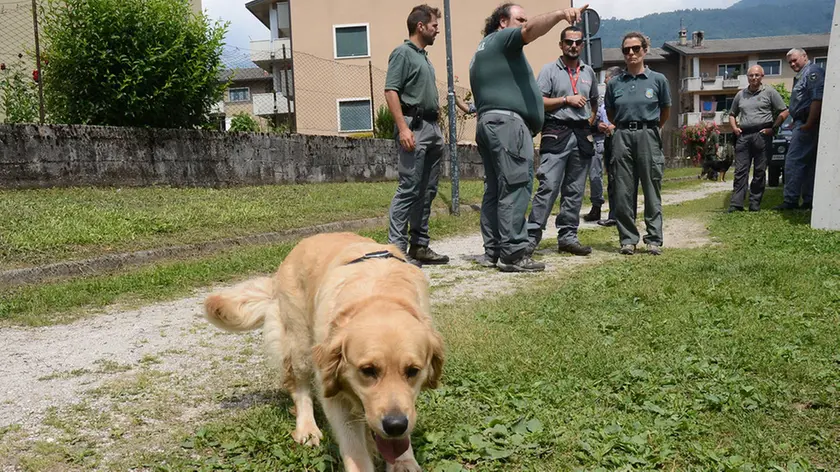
[[38, 60], [372, 108], [287, 91], [586, 38], [453, 135]]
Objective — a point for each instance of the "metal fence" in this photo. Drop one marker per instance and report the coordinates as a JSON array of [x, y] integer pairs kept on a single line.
[[21, 98]]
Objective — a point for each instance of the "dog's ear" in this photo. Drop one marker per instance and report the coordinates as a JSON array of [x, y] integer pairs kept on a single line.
[[329, 360], [436, 362]]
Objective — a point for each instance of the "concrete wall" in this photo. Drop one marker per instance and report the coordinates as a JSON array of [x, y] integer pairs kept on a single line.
[[34, 156]]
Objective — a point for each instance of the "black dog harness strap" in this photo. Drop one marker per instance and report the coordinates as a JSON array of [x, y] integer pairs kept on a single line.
[[376, 255]]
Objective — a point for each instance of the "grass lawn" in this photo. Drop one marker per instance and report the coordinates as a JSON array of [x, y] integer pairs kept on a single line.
[[718, 358], [43, 226]]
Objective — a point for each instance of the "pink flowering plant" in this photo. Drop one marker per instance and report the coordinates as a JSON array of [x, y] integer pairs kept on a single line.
[[18, 93], [700, 139]]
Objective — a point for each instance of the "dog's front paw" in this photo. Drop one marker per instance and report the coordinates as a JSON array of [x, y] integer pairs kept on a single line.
[[308, 435], [409, 465]]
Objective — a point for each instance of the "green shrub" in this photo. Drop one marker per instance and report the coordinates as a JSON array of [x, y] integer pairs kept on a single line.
[[244, 122], [148, 63], [384, 123]]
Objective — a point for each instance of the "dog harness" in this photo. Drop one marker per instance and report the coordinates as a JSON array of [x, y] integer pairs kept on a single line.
[[376, 255]]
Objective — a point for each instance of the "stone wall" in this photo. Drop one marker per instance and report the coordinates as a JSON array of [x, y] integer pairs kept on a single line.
[[33, 156]]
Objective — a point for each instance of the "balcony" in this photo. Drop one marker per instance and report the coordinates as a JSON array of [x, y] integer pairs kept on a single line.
[[264, 104], [719, 117], [263, 53], [712, 84], [218, 108]]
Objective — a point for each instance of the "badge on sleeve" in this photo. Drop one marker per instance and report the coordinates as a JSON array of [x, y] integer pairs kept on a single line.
[[649, 93], [813, 76]]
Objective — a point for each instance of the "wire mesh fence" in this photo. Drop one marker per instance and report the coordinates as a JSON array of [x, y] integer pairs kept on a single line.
[[19, 75]]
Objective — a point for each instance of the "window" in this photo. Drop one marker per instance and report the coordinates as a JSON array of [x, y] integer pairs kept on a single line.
[[730, 71], [821, 61], [240, 94], [771, 67], [354, 115], [351, 41]]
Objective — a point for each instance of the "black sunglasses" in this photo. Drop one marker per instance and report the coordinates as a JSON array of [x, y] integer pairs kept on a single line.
[[573, 42], [636, 49]]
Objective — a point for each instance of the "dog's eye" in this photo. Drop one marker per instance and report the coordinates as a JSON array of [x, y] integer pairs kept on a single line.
[[412, 372], [369, 371]]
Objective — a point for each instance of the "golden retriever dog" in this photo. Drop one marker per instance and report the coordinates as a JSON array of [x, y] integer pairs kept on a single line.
[[354, 316]]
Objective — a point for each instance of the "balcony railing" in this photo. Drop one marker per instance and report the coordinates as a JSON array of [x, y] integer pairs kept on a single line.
[[717, 83], [265, 103], [719, 117], [270, 50]]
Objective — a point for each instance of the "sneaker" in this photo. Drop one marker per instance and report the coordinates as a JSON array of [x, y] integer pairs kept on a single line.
[[524, 264], [627, 249], [786, 206], [426, 255], [594, 214], [487, 261], [575, 248], [655, 249], [607, 222]]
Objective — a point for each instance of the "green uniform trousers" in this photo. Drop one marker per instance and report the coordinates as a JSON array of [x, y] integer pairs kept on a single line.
[[637, 157]]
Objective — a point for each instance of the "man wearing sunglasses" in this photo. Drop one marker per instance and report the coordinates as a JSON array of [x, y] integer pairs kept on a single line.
[[570, 96], [510, 113], [756, 108]]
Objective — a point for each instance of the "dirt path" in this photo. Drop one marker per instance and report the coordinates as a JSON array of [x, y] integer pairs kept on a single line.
[[98, 378]]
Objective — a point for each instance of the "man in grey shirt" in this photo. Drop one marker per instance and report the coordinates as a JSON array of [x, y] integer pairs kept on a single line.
[[570, 97], [756, 108]]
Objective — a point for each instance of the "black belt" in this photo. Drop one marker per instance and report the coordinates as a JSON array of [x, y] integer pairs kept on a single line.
[[634, 125], [755, 129], [568, 123], [376, 255], [420, 113]]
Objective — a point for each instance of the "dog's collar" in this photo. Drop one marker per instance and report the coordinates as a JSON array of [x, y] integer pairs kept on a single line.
[[376, 255]]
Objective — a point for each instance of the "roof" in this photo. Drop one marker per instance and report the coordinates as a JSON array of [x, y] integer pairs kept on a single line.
[[250, 73], [614, 55], [751, 45], [260, 9]]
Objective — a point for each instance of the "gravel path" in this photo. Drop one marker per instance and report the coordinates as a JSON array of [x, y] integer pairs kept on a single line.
[[50, 369]]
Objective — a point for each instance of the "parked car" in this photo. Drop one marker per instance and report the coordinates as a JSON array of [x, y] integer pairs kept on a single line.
[[781, 143]]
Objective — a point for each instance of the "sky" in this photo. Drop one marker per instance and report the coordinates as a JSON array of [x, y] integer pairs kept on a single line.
[[244, 27]]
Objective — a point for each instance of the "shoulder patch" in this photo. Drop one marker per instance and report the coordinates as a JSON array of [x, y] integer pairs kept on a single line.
[[812, 76]]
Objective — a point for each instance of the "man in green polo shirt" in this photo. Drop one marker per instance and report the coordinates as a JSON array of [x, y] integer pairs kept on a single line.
[[756, 108], [510, 113], [638, 103], [412, 96]]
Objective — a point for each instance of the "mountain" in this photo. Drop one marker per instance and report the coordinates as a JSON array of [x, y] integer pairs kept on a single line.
[[745, 19]]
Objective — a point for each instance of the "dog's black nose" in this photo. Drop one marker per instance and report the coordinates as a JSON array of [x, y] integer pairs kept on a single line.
[[395, 425]]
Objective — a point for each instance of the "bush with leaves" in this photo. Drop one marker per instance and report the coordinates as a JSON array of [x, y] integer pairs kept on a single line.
[[18, 93], [783, 91], [384, 123], [244, 122], [147, 63]]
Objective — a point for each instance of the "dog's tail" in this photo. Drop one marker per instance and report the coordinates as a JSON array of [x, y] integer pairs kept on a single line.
[[243, 307]]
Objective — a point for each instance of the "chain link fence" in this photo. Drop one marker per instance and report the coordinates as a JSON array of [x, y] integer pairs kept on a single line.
[[19, 75]]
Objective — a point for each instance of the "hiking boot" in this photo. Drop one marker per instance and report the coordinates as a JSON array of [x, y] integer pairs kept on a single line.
[[413, 261], [608, 222], [594, 214], [487, 261], [426, 255], [627, 249], [752, 208], [786, 206], [524, 264], [733, 209], [806, 206], [655, 249], [575, 248]]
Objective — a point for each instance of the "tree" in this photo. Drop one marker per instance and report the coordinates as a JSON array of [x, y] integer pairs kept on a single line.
[[384, 123], [148, 63], [783, 91], [244, 122]]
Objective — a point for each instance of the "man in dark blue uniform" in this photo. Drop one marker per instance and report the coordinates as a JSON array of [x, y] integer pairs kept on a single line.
[[805, 107]]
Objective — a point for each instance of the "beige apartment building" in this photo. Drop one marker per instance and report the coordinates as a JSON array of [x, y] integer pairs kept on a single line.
[[341, 53]]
